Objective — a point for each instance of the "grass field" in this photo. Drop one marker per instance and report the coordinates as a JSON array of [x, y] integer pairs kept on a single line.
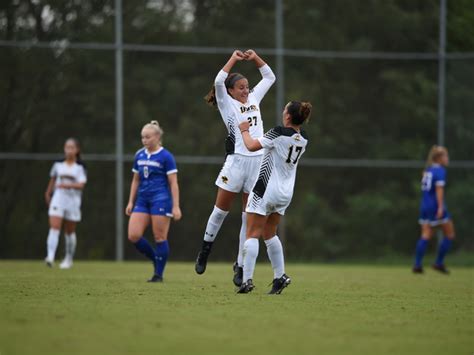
[[107, 308]]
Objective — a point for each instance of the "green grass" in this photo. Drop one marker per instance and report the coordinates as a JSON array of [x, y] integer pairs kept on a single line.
[[107, 308]]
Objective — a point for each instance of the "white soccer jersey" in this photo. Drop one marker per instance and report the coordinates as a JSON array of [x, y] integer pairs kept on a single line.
[[65, 173], [233, 112], [283, 147]]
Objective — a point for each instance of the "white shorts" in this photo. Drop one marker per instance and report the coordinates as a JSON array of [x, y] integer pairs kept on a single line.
[[69, 210], [239, 173], [264, 206]]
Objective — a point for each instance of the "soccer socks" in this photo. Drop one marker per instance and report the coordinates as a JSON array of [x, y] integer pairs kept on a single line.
[[71, 242], [443, 249], [420, 251], [52, 243], [214, 223], [145, 248], [162, 252], [242, 238], [275, 254], [250, 257]]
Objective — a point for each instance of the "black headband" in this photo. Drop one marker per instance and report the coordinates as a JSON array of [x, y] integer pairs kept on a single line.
[[234, 79]]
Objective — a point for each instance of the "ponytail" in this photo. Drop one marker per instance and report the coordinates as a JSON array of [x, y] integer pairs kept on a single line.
[[299, 111]]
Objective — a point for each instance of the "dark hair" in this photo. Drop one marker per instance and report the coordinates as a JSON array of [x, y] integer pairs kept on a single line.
[[78, 145], [299, 111], [230, 81]]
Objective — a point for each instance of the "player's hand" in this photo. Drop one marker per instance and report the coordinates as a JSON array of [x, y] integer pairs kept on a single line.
[[238, 55], [250, 54], [177, 213], [128, 209], [244, 126], [439, 213]]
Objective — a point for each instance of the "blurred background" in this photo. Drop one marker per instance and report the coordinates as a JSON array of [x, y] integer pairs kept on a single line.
[[387, 79]]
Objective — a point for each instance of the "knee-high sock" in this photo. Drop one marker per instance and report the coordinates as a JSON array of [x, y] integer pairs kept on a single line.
[[145, 248], [275, 254], [52, 243], [71, 242], [420, 251], [242, 238], [443, 249], [250, 257], [162, 252], [214, 224]]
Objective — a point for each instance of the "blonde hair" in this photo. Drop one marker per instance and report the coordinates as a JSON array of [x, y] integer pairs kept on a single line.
[[155, 126], [435, 153]]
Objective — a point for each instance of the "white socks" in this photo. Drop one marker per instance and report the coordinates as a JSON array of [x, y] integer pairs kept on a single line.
[[52, 243], [275, 254], [242, 238], [250, 257], [71, 242], [214, 224]]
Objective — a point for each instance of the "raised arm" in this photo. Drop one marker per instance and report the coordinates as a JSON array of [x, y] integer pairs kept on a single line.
[[268, 77], [219, 82], [251, 144]]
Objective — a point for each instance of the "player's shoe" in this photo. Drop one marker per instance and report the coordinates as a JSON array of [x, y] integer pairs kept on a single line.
[[156, 278], [48, 262], [279, 284], [441, 268], [201, 261], [246, 287], [417, 270], [238, 275], [66, 264]]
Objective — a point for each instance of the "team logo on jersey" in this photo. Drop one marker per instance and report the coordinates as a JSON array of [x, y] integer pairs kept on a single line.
[[149, 163], [225, 179], [251, 108], [297, 137]]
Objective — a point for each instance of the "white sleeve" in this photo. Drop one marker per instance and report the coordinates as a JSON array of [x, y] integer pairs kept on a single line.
[[268, 139], [54, 172], [268, 78], [81, 175], [222, 97]]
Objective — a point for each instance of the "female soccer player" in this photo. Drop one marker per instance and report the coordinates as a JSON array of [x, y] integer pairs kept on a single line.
[[154, 193], [63, 196], [236, 103], [272, 193], [433, 211]]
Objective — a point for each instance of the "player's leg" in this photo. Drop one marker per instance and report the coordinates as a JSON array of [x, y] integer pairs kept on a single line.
[[239, 265], [55, 223], [421, 245], [160, 226], [221, 210], [444, 246], [255, 227], [136, 227], [70, 243]]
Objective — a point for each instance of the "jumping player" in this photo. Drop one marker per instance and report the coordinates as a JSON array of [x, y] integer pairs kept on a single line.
[[63, 196], [433, 211], [283, 147], [154, 195], [236, 103]]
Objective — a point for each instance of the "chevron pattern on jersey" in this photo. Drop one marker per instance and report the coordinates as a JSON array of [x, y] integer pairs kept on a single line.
[[264, 175], [230, 140], [272, 134]]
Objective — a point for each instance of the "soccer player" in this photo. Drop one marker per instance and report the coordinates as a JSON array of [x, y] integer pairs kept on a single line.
[[154, 195], [236, 103], [63, 196], [433, 211], [270, 197]]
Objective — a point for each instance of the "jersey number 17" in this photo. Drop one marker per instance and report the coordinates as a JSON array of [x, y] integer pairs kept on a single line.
[[297, 151]]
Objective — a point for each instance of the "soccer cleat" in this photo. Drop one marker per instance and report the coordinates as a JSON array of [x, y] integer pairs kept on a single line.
[[156, 278], [279, 284], [246, 287], [201, 261], [49, 262], [441, 268], [417, 270], [66, 264], [238, 275]]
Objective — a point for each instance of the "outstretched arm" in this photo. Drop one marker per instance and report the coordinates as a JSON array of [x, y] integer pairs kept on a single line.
[[251, 144]]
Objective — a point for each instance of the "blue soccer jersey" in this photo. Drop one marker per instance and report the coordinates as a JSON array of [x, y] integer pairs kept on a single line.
[[434, 175], [153, 169]]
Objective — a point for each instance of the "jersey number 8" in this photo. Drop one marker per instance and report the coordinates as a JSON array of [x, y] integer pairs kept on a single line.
[[145, 172]]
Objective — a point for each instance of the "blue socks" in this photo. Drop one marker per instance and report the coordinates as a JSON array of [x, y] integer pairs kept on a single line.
[[145, 248], [420, 251], [162, 252], [443, 249]]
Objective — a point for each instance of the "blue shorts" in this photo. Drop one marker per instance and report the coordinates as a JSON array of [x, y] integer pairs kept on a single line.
[[153, 206], [428, 216]]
